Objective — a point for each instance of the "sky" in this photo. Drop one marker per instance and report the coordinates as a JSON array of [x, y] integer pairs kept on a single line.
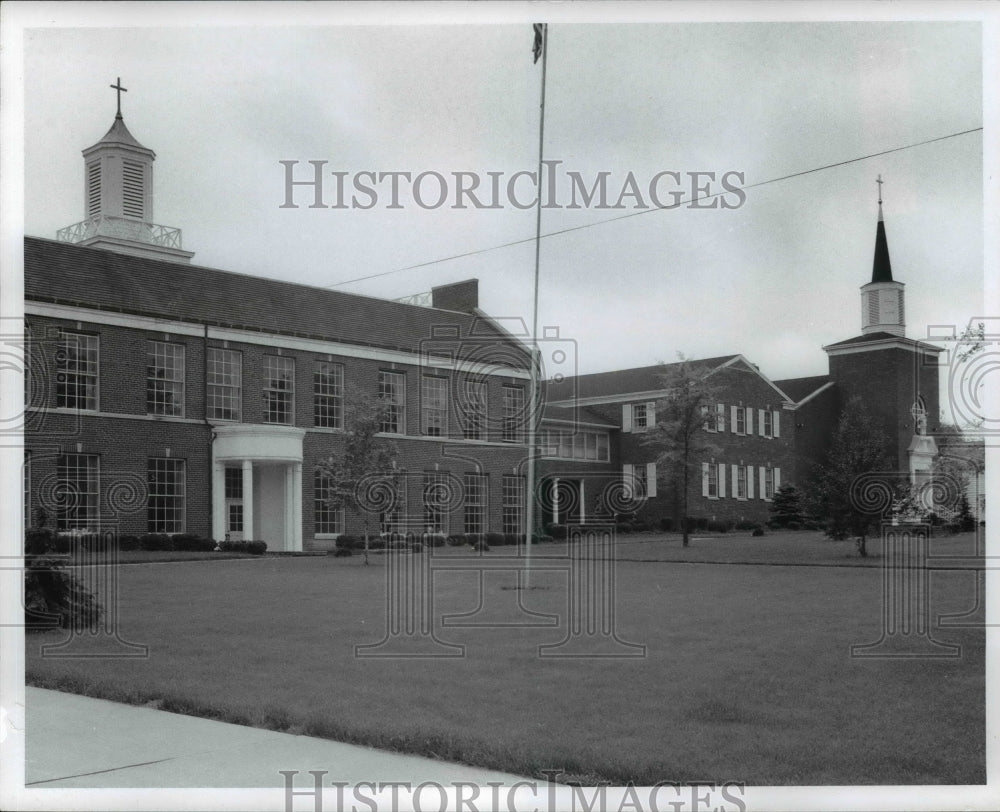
[[775, 278]]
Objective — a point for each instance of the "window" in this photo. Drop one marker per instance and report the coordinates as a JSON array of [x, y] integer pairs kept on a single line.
[[78, 495], [741, 420], [77, 371], [225, 384], [767, 423], [475, 503], [641, 482], [712, 472], [392, 393], [436, 499], [513, 413], [768, 483], [474, 411], [741, 481], [434, 406], [165, 506], [581, 445], [640, 417], [389, 520], [512, 504], [279, 389], [709, 418], [164, 378], [329, 520], [328, 396]]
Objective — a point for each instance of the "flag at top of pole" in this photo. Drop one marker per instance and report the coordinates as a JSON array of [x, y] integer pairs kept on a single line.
[[536, 49]]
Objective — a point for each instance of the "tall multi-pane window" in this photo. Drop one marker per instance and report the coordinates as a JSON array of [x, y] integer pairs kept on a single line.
[[741, 482], [79, 494], [475, 503], [741, 420], [392, 393], [225, 383], [641, 482], [513, 414], [640, 417], [473, 410], [768, 483], [390, 518], [437, 498], [279, 389], [713, 480], [513, 504], [77, 371], [329, 519], [434, 406], [165, 378], [767, 418], [328, 395], [165, 505]]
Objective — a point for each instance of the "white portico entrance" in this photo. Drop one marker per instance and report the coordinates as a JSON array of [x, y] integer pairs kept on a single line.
[[257, 485]]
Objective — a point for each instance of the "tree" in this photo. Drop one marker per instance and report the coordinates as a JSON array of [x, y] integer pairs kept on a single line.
[[786, 509], [959, 463], [678, 434], [841, 495], [364, 477]]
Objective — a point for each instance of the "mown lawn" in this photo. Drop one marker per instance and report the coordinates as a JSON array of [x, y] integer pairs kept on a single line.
[[747, 674]]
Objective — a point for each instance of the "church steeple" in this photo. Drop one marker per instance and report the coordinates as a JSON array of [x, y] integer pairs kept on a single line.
[[882, 300], [118, 198]]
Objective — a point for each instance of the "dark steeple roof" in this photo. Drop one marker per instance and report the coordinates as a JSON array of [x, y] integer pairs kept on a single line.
[[881, 268]]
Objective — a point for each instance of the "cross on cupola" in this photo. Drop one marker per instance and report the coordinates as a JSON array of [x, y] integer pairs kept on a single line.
[[879, 181], [118, 86]]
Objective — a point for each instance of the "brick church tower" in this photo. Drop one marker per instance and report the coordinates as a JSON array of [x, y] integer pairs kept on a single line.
[[896, 377]]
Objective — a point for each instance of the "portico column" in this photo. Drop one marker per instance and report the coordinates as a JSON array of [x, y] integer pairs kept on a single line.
[[248, 528], [555, 500], [583, 502], [218, 501], [297, 506], [289, 540]]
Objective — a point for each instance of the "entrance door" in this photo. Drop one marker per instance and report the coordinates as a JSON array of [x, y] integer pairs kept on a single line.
[[234, 504]]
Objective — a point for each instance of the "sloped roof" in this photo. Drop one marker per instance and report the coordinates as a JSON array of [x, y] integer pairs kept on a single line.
[[881, 267], [578, 414], [120, 136], [799, 388], [69, 274], [864, 339], [622, 381]]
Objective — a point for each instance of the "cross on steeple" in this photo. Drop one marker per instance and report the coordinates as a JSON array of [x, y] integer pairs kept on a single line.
[[879, 181], [118, 86]]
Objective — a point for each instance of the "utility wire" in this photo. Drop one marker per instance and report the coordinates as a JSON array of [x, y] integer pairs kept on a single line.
[[650, 210]]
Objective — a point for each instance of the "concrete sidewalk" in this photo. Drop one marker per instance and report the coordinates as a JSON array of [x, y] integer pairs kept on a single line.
[[76, 741]]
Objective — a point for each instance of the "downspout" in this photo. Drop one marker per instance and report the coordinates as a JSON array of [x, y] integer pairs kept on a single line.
[[211, 435]]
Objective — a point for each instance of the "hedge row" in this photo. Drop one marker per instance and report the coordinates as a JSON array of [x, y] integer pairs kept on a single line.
[[183, 542]]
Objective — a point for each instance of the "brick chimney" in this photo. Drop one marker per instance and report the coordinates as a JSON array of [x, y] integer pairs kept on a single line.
[[460, 296]]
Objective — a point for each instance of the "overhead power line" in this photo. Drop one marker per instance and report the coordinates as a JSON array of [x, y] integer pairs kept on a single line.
[[651, 210]]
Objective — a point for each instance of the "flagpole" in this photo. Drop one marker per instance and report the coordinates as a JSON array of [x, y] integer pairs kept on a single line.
[[532, 444]]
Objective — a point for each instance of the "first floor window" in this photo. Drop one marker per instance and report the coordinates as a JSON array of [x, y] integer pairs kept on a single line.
[[437, 493], [329, 519], [475, 503], [768, 483], [225, 383], [641, 480], [712, 473], [279, 389], [77, 371], [79, 496], [390, 518], [165, 508], [741, 481], [513, 504]]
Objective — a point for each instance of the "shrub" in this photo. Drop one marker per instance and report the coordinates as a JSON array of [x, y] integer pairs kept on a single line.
[[129, 543], [457, 540], [375, 543], [416, 546], [495, 539], [346, 542], [557, 531], [540, 538], [435, 539], [53, 596], [696, 523], [480, 544], [666, 524], [513, 538], [193, 543], [341, 552], [757, 531], [714, 526], [252, 547], [156, 541]]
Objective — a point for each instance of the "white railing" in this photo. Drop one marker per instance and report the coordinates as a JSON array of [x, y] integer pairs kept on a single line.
[[421, 299], [122, 228]]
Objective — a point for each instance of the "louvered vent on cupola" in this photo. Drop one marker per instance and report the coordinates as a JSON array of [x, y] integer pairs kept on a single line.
[[133, 190], [94, 189]]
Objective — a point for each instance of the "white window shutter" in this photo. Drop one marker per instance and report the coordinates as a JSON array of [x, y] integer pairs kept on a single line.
[[736, 481], [749, 411], [732, 418], [704, 479], [650, 414], [776, 428], [760, 422], [722, 479], [777, 478], [762, 482], [650, 479], [627, 417], [749, 482], [720, 414]]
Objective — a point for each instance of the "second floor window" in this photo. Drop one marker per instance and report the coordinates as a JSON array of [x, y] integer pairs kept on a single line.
[[225, 384], [77, 371], [513, 414], [434, 406], [392, 393], [165, 378], [328, 396], [279, 389], [473, 410]]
